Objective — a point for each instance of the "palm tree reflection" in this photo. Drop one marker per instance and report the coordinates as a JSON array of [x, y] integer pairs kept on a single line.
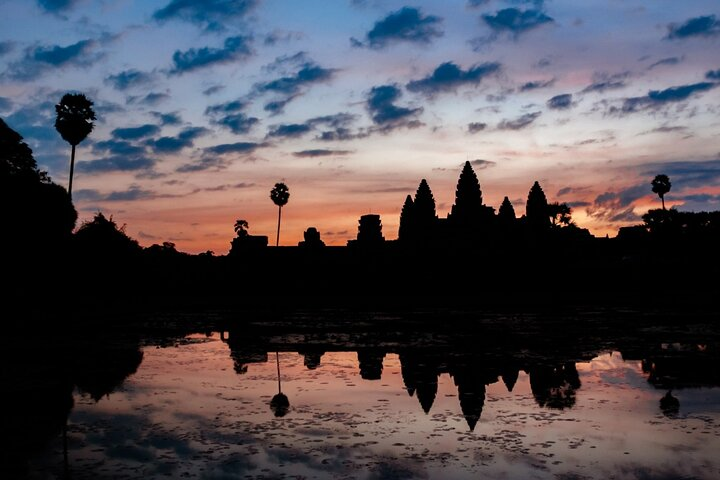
[[279, 403]]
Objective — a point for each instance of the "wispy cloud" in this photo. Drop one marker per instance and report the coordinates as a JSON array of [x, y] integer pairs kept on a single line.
[[475, 127], [185, 139], [658, 98], [520, 122], [665, 61], [290, 130], [704, 26], [209, 14], [117, 163], [321, 152], [385, 113], [448, 77], [560, 102], [603, 82], [536, 84], [133, 133], [56, 6], [220, 156], [409, 24], [293, 85], [41, 59], [128, 79], [234, 49]]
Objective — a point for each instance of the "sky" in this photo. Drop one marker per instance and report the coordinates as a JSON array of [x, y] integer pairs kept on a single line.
[[203, 106]]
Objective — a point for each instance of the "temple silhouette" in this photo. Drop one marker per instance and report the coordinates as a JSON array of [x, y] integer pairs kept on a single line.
[[475, 254]]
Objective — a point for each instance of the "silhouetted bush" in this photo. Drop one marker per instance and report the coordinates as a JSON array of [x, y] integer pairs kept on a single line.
[[101, 237]]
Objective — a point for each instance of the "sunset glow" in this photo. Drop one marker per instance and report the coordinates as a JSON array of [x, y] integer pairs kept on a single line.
[[203, 106]]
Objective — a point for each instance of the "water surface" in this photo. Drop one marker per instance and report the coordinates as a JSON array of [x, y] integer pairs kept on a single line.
[[199, 406]]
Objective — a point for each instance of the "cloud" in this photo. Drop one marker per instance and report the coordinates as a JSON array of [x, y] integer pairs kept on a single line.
[[34, 121], [475, 127], [295, 61], [408, 24], [233, 49], [172, 118], [117, 147], [228, 186], [185, 138], [233, 106], [666, 129], [116, 163], [309, 73], [616, 206], [55, 6], [213, 90], [568, 190], [291, 86], [280, 36], [131, 194], [339, 124], [336, 120], [239, 147], [213, 157], [210, 14], [520, 122], [230, 116], [276, 107], [151, 99], [237, 123], [516, 21], [480, 164], [603, 82], [560, 102], [666, 61], [536, 84], [5, 104], [57, 55], [341, 134], [134, 133], [292, 130], [705, 26], [128, 79], [701, 202], [43, 58], [686, 174], [713, 75], [383, 111], [320, 152], [477, 3], [658, 98], [448, 77], [6, 47]]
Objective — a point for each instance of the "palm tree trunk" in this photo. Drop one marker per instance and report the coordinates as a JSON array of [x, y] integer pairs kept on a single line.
[[277, 239], [662, 199], [277, 360], [72, 168]]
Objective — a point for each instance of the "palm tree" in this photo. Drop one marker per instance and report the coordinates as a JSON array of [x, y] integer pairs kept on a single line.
[[661, 185], [559, 214], [74, 123], [279, 195], [241, 228]]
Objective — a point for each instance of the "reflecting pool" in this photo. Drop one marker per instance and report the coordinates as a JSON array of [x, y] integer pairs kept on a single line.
[[282, 403]]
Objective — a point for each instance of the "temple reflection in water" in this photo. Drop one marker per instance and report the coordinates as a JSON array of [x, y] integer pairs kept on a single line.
[[551, 369], [61, 377]]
